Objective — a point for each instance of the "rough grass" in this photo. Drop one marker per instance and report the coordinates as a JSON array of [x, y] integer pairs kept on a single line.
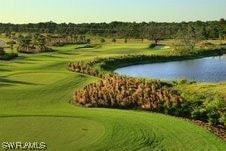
[[204, 88], [35, 92]]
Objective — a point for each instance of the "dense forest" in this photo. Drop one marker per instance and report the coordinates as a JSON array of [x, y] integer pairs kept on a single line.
[[151, 30]]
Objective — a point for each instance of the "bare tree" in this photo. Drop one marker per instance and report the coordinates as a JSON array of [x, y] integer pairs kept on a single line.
[[187, 38]]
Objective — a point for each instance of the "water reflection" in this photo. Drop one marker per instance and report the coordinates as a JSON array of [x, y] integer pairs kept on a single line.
[[211, 69]]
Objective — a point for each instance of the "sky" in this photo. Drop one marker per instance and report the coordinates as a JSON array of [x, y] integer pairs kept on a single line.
[[86, 11]]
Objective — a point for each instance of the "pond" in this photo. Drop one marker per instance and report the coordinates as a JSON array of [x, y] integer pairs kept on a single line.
[[210, 69]]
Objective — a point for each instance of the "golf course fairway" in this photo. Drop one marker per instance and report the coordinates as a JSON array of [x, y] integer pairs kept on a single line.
[[35, 94]]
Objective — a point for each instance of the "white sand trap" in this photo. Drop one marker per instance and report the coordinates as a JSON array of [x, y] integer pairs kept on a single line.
[[159, 47]]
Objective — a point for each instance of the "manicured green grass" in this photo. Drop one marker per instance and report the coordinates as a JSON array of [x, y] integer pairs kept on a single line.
[[59, 133], [35, 94]]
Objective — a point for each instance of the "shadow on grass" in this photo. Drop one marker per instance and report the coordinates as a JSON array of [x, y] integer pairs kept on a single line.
[[18, 58], [7, 82], [44, 115], [25, 62], [66, 53], [5, 70], [5, 85]]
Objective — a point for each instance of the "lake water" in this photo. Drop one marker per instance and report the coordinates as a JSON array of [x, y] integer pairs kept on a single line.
[[211, 69]]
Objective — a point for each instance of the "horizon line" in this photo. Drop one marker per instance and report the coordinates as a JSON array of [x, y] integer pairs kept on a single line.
[[107, 22]]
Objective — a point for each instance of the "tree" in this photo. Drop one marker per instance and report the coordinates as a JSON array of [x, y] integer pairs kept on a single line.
[[204, 33], [24, 44], [114, 40], [155, 34], [41, 43], [102, 40], [142, 30], [88, 41], [222, 29], [186, 39], [11, 43], [2, 52], [8, 34], [82, 39]]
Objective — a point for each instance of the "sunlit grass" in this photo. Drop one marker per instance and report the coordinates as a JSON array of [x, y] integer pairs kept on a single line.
[[35, 95]]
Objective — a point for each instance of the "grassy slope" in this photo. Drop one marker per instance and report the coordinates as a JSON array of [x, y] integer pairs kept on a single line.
[[35, 92]]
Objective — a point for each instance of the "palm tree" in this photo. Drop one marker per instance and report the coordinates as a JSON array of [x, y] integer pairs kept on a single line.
[[41, 43], [11, 43], [24, 43]]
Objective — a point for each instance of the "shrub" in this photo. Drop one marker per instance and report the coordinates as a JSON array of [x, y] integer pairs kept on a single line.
[[222, 118], [102, 40], [199, 114], [206, 45], [213, 118], [173, 109], [88, 41], [206, 108], [185, 109], [215, 108], [8, 56], [183, 81], [130, 93], [114, 40], [152, 45]]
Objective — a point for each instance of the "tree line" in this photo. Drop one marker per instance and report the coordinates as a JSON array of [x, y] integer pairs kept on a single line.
[[32, 43], [152, 30]]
